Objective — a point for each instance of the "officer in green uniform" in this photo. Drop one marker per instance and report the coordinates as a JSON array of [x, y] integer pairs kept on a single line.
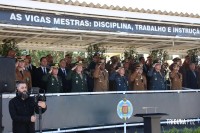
[[78, 78], [54, 82]]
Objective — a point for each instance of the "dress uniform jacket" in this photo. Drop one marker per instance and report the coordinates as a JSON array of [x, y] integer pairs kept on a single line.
[[121, 82], [176, 80], [157, 80], [25, 76], [54, 85], [138, 82], [101, 82], [79, 84], [31, 68]]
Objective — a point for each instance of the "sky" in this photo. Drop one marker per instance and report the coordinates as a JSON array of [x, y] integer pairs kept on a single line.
[[184, 6]]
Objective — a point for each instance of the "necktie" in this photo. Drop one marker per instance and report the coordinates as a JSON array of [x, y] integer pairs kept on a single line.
[[194, 74], [30, 67], [64, 72], [21, 72], [44, 70]]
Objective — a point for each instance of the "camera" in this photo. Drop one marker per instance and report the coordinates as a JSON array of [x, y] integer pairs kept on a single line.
[[35, 91]]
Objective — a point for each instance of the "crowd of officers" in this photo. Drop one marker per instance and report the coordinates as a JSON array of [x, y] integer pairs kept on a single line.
[[113, 75]]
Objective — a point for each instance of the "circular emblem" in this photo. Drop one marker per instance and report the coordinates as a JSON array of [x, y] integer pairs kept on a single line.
[[124, 109]]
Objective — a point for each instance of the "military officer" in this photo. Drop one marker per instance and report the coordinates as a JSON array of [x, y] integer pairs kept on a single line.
[[121, 81], [54, 82], [138, 80], [157, 78], [175, 77], [101, 82], [78, 78], [22, 74]]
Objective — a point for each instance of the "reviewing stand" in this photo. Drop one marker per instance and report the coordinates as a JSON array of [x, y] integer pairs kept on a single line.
[[151, 122]]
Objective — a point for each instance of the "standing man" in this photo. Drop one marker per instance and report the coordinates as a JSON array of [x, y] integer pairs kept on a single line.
[[62, 73], [22, 74], [22, 109], [175, 77], [101, 82], [78, 78], [11, 53], [54, 82], [184, 69], [31, 68], [157, 78], [40, 72], [137, 80], [142, 61], [192, 77], [68, 59], [121, 81], [91, 69], [49, 58]]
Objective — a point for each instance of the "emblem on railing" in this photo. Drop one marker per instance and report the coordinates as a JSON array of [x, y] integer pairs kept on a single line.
[[124, 109]]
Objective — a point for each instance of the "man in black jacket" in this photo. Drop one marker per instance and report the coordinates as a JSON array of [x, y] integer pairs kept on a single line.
[[62, 73], [22, 109], [192, 77], [40, 72]]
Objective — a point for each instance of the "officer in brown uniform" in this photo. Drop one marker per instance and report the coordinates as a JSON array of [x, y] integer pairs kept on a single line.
[[101, 82], [22, 74], [138, 80], [175, 77]]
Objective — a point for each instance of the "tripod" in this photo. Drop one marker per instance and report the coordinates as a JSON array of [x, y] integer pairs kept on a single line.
[[40, 119], [40, 114]]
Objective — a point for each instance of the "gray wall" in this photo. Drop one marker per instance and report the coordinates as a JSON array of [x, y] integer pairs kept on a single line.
[[87, 110]]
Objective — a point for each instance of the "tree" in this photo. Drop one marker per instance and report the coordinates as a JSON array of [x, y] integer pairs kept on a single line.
[[193, 54], [159, 55], [131, 53], [92, 49], [8, 45]]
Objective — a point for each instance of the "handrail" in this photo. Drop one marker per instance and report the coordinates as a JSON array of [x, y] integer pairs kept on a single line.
[[11, 95], [113, 126]]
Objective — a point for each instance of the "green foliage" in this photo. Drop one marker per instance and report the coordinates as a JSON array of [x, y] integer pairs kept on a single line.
[[92, 49], [8, 45], [185, 130], [159, 55], [173, 130], [36, 55], [197, 130], [131, 53], [193, 55]]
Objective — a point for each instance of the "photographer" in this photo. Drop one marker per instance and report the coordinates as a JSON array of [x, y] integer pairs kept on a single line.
[[22, 109]]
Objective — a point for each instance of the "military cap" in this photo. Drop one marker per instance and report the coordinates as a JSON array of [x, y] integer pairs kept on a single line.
[[79, 63], [55, 66], [20, 59]]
